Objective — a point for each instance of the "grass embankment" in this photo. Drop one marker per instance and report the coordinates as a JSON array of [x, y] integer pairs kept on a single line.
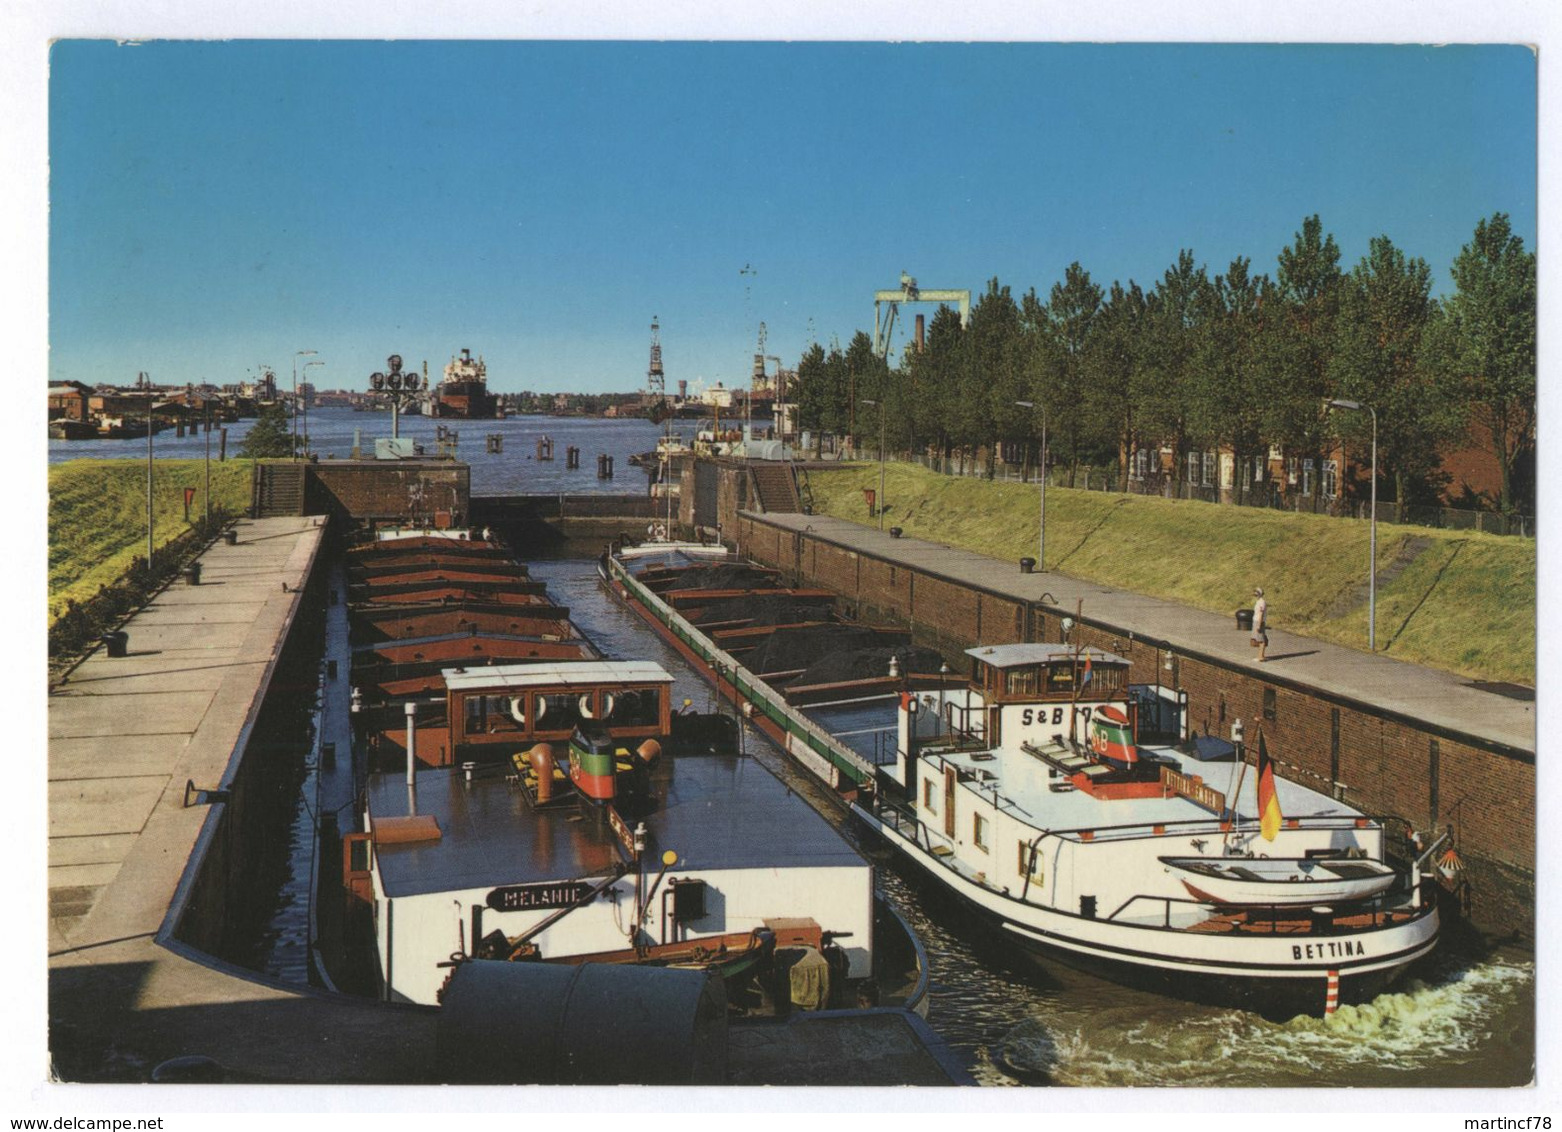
[[1459, 601], [97, 516]]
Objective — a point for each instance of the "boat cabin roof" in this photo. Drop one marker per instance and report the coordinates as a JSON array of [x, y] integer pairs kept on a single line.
[[577, 673], [715, 811], [1020, 655]]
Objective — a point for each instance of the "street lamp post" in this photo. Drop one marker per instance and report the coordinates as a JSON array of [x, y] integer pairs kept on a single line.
[[306, 405], [1041, 539], [880, 405], [296, 355], [1372, 564]]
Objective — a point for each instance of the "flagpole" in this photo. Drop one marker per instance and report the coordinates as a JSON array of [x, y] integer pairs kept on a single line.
[[1236, 794], [1073, 705]]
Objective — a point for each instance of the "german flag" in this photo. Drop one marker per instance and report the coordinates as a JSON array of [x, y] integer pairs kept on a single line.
[[1269, 815]]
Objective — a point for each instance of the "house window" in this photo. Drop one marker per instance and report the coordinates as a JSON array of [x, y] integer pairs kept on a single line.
[[1228, 469], [1209, 468], [1269, 704], [1194, 463], [1331, 478], [928, 794], [1292, 469], [979, 832], [1258, 469], [1307, 476]]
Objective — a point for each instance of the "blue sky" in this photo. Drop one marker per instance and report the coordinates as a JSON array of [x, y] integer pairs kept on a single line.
[[218, 206]]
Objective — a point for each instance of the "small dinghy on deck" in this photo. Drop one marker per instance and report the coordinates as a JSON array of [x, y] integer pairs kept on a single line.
[[1237, 881]]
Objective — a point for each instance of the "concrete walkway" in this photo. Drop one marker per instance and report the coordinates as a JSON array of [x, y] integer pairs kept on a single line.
[[124, 736], [1445, 701]]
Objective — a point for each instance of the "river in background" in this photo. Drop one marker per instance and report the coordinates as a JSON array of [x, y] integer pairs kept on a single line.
[[1464, 1018], [513, 471]]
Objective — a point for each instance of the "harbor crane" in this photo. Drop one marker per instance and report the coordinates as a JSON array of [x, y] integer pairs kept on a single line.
[[909, 292]]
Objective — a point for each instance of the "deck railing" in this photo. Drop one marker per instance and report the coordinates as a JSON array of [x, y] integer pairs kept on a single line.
[[842, 759]]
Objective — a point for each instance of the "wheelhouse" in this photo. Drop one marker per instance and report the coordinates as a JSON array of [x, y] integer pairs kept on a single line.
[[497, 710], [1047, 673]]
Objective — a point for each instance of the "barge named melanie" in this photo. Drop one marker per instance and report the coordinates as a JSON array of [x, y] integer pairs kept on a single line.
[[550, 806]]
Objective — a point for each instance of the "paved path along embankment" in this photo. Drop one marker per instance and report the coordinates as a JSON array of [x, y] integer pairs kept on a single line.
[[1439, 699], [125, 735]]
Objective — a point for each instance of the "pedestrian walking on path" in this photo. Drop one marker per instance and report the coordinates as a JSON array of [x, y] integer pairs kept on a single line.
[[1260, 624]]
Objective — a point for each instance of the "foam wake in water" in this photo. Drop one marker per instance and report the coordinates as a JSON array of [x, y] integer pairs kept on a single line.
[[1465, 1027]]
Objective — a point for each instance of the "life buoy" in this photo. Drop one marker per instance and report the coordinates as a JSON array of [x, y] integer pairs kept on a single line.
[[518, 709], [584, 703]]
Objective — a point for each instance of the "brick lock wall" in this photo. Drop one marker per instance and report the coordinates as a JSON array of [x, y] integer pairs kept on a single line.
[[387, 489], [1385, 765]]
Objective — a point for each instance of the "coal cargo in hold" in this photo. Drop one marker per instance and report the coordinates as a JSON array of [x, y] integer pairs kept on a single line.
[[591, 1024]]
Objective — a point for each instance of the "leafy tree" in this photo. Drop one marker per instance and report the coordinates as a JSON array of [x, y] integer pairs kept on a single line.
[[1385, 309], [1177, 310], [867, 379], [1065, 332], [989, 373], [271, 436], [931, 380], [1486, 344], [1310, 282], [813, 396], [1228, 397], [1115, 372]]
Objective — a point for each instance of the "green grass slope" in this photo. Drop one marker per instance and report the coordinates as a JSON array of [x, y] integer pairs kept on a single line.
[[97, 515], [1460, 601]]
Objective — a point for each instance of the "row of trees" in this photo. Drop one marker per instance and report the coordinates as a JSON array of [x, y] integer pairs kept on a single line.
[[1238, 361]]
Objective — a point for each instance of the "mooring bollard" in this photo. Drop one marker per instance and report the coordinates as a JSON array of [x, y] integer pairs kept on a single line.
[[116, 642], [192, 574], [231, 537]]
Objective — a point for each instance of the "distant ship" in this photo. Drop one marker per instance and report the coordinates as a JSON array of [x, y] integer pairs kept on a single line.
[[464, 391]]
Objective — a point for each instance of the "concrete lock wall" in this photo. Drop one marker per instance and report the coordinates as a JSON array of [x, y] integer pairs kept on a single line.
[[1374, 760]]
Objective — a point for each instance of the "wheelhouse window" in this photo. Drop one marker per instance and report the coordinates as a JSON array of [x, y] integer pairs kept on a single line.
[[1060, 677], [556, 711], [494, 715], [929, 795], [979, 832], [632, 707], [1022, 681]]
